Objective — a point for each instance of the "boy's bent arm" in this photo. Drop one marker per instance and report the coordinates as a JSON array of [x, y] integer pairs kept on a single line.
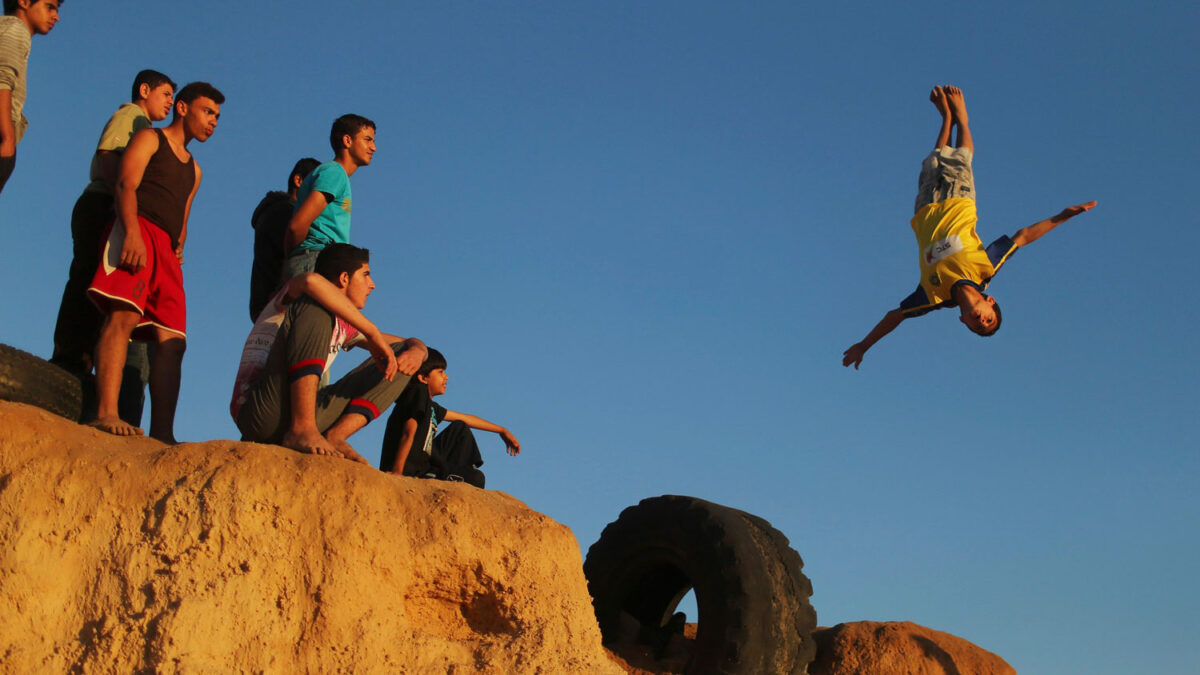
[[511, 444], [8, 132], [328, 296], [133, 166], [306, 213], [406, 440], [886, 325], [1028, 235], [187, 212]]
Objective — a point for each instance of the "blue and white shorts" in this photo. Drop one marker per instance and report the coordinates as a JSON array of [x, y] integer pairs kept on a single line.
[[945, 173]]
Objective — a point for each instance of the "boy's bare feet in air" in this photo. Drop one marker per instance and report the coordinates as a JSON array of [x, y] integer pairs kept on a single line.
[[310, 442], [115, 426], [938, 97], [956, 103], [958, 107]]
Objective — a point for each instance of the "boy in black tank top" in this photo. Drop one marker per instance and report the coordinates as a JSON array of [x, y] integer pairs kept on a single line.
[[139, 283]]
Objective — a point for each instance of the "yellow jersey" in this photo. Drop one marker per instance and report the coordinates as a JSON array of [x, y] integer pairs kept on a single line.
[[951, 252]]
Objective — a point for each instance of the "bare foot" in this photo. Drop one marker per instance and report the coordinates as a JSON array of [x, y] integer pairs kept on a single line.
[[958, 105], [310, 442], [938, 97], [349, 452], [115, 426]]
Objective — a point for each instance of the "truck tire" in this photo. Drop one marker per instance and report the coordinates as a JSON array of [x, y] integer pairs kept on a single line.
[[752, 597], [24, 378]]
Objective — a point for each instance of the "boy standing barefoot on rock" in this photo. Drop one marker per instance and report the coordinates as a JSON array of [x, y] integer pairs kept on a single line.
[[955, 265], [277, 397], [139, 282], [78, 325]]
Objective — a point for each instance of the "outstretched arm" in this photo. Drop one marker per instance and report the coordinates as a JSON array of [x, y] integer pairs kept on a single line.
[[1028, 235], [511, 444], [886, 325]]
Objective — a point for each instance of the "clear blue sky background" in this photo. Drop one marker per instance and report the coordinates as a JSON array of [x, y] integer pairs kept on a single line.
[[643, 233]]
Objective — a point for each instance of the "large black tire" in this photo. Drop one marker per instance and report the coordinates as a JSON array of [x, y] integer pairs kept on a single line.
[[24, 378], [753, 599]]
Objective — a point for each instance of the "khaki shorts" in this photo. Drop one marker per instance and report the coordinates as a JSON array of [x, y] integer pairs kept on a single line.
[[945, 173]]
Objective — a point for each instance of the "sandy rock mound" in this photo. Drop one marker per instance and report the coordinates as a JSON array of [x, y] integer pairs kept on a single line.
[[123, 555], [888, 648]]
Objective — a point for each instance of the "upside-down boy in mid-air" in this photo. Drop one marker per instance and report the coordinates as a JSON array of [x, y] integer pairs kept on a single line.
[[955, 265]]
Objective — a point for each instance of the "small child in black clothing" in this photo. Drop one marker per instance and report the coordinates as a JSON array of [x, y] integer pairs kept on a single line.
[[409, 445]]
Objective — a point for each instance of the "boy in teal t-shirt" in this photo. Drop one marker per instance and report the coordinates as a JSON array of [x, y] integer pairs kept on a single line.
[[323, 203]]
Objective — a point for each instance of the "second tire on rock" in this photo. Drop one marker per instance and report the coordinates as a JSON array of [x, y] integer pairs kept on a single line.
[[752, 597], [25, 378]]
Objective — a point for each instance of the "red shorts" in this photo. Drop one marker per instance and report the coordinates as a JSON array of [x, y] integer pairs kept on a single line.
[[155, 291]]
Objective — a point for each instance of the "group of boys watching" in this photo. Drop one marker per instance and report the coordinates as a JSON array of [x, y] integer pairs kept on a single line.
[[124, 291], [302, 240], [309, 284]]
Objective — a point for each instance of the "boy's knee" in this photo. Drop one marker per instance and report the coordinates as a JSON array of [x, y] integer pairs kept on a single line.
[[122, 320], [171, 347]]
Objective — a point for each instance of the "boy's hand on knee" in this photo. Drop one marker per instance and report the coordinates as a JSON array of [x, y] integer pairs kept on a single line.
[[411, 358], [385, 358]]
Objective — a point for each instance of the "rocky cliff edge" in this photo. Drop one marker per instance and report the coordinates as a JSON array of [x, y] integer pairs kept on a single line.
[[124, 555]]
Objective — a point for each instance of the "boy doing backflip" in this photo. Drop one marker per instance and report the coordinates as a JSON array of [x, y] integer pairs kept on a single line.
[[955, 265], [139, 282], [277, 397]]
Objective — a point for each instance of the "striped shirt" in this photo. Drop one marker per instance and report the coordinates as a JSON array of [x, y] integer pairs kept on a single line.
[[14, 59]]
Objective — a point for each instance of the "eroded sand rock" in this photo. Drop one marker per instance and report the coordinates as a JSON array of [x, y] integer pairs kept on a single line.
[[119, 555], [892, 647]]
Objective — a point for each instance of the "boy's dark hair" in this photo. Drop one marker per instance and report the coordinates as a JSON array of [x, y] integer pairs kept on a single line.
[[989, 333], [337, 258], [153, 79], [433, 361], [347, 125], [10, 6], [195, 90], [302, 169]]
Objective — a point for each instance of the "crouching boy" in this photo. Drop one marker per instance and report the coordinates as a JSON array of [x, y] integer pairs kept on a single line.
[[277, 397], [450, 455]]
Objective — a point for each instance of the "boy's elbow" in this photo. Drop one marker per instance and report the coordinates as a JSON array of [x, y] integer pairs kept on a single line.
[[303, 284]]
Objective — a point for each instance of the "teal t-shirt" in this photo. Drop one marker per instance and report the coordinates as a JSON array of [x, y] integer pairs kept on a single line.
[[332, 225]]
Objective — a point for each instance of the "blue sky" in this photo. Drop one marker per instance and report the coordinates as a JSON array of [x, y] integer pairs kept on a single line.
[[643, 233]]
